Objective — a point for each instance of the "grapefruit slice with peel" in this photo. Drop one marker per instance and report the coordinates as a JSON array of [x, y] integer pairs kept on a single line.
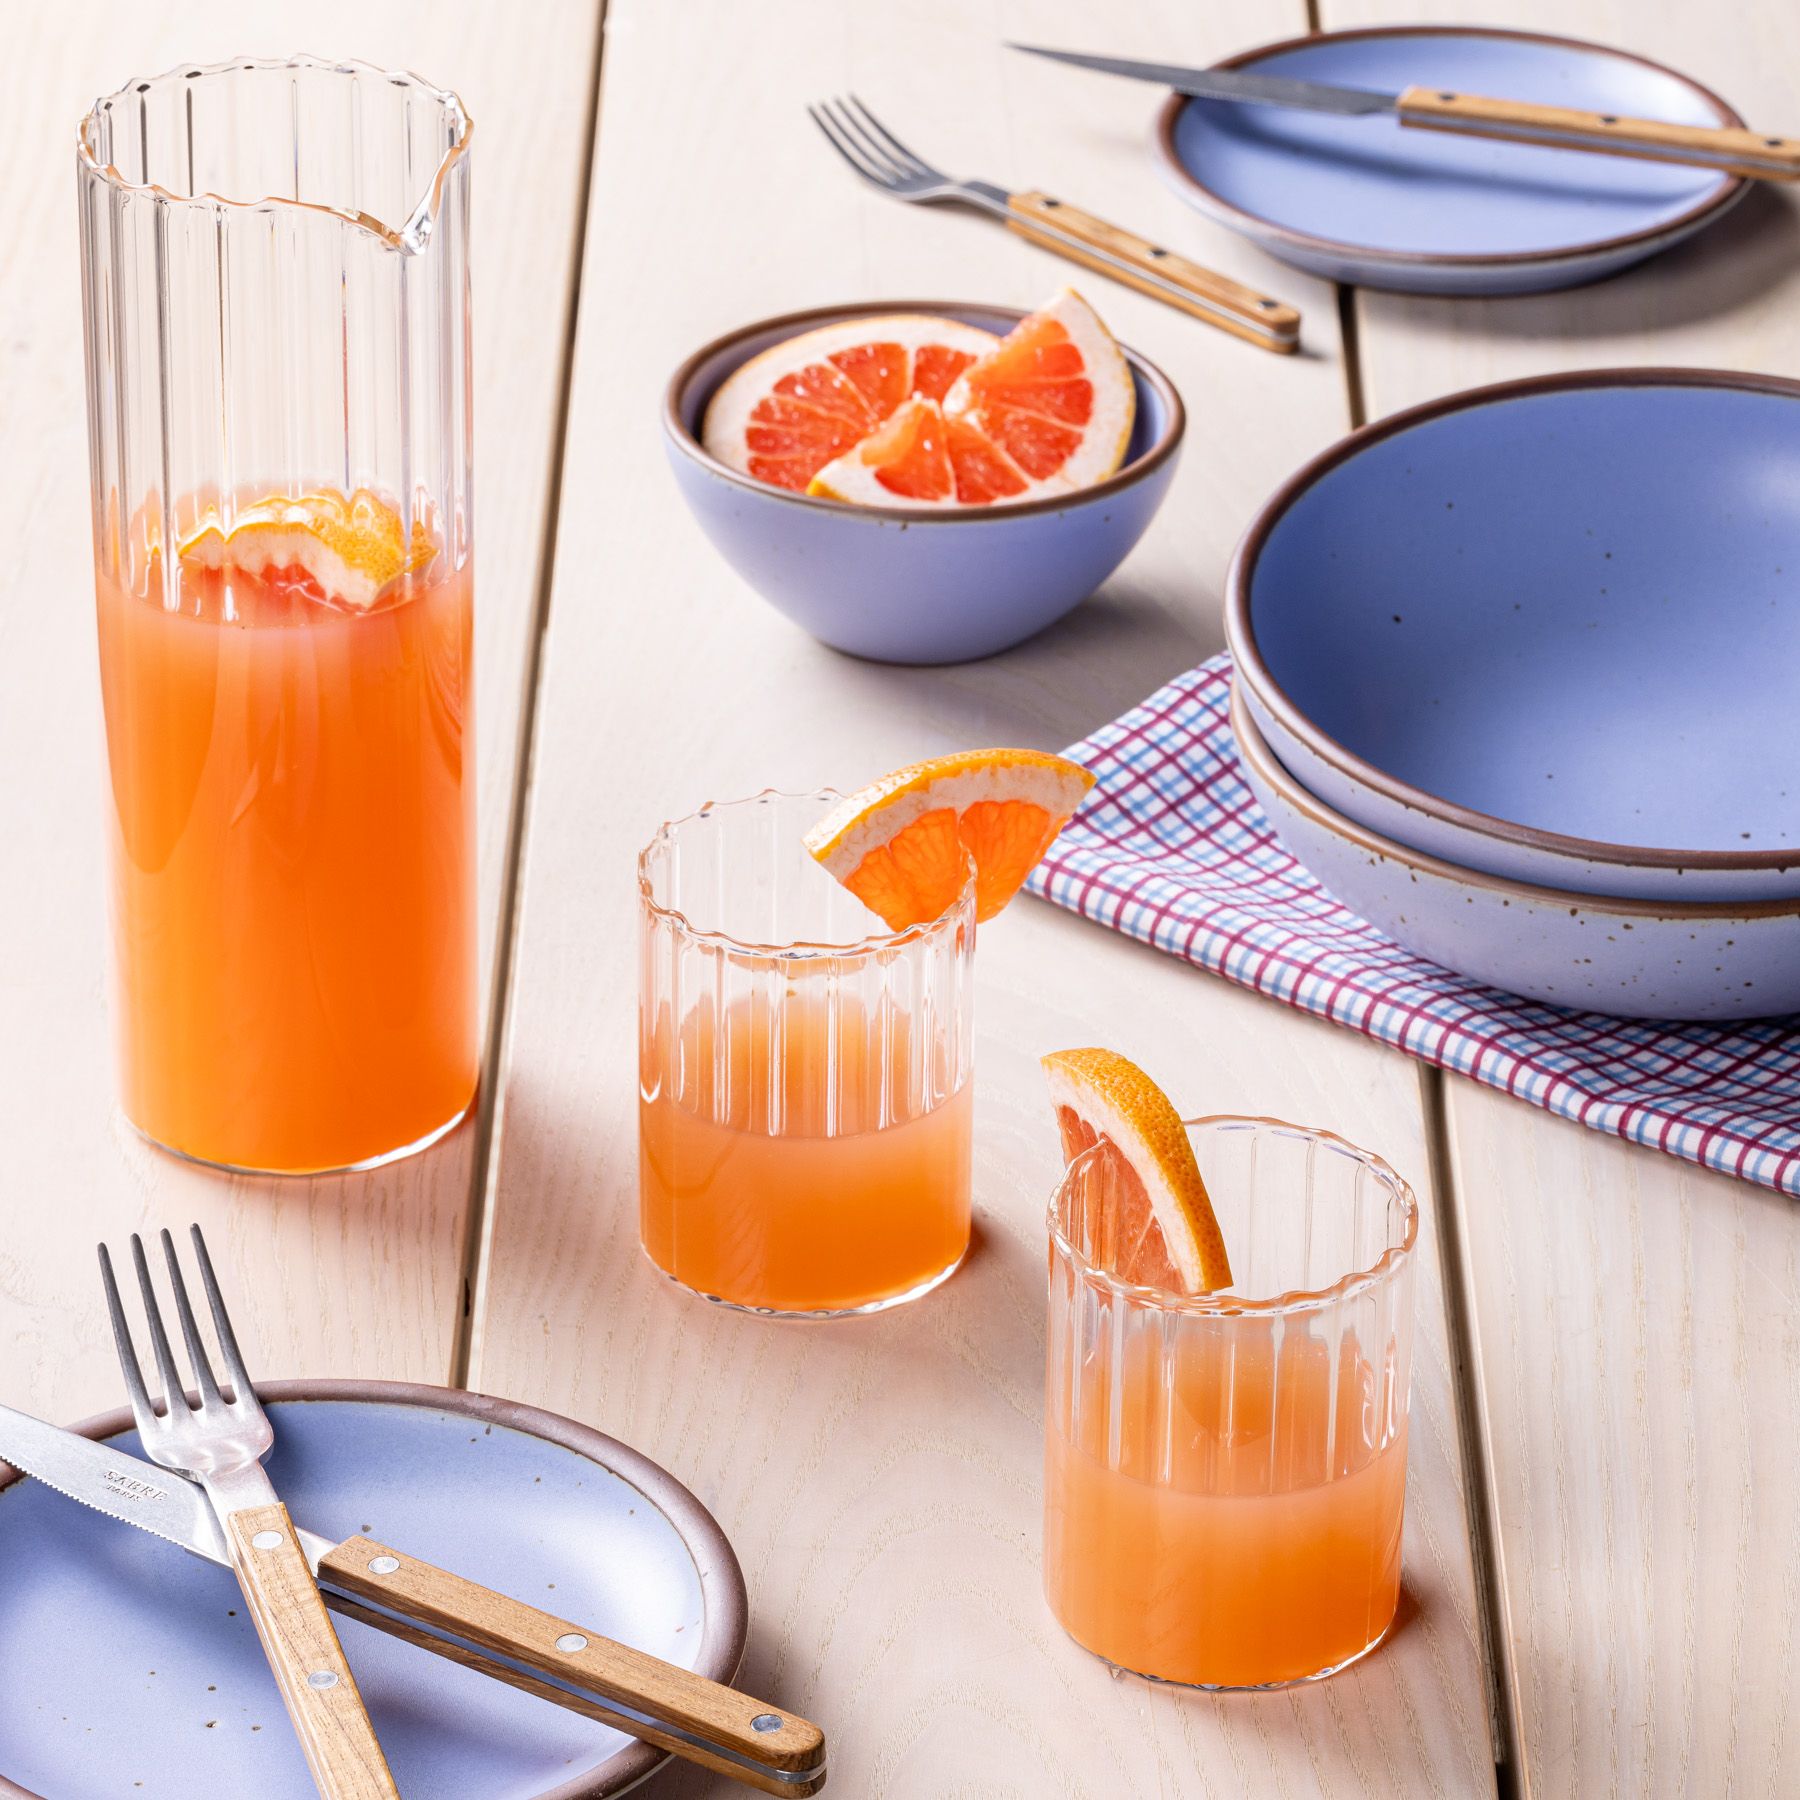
[[1056, 397], [803, 402], [902, 845], [1161, 1231], [351, 549], [920, 457]]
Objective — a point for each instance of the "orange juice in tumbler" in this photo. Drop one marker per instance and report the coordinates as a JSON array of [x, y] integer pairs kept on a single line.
[[292, 832], [1224, 1465], [804, 1109], [1227, 1551], [777, 1182]]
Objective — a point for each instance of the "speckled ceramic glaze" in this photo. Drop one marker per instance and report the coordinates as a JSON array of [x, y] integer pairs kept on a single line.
[[898, 584], [131, 1669], [1548, 630], [1639, 960], [1368, 201]]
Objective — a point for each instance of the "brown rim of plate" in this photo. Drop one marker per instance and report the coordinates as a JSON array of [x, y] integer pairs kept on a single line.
[[1182, 176], [1240, 634], [1254, 748], [792, 324], [721, 1578]]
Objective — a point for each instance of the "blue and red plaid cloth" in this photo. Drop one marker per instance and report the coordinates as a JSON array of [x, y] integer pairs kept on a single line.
[[1172, 848]]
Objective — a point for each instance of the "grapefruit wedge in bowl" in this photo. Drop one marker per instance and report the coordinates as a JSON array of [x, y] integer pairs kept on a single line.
[[996, 493]]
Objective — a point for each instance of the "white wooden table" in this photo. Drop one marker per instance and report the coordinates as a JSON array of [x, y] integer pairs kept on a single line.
[[1603, 1532]]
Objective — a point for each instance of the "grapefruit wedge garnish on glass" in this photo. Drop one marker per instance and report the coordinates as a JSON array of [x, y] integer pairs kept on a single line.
[[902, 845], [806, 400], [1159, 1230], [1049, 409], [352, 550]]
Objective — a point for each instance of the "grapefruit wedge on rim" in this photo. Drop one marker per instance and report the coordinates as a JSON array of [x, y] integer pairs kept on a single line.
[[803, 402], [902, 845], [1162, 1231], [1049, 409]]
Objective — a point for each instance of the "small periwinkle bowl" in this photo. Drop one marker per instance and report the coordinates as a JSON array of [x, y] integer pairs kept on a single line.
[[902, 585]]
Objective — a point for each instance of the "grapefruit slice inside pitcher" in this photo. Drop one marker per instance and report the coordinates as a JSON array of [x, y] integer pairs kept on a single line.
[[803, 402], [1159, 1229], [903, 844]]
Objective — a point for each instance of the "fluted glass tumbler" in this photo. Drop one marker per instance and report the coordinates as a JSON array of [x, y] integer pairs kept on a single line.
[[1225, 1474], [275, 282], [805, 1107]]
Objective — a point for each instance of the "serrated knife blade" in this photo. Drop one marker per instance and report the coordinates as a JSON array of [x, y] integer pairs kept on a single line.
[[112, 1482]]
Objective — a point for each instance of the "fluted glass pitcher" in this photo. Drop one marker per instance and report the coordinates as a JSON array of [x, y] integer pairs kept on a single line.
[[275, 280]]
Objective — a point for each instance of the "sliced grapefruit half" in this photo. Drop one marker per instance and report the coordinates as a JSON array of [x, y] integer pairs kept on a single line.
[[803, 402], [1048, 410], [1162, 1231], [902, 845]]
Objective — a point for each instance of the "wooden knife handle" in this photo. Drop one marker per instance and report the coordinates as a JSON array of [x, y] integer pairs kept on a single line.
[[317, 1687], [1152, 269], [764, 1746], [1729, 149]]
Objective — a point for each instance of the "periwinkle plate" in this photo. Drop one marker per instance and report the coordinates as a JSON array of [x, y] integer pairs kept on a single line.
[[132, 1670], [1365, 200]]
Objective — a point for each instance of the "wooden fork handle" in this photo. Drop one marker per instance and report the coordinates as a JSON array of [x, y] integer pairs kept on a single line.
[[1729, 149], [297, 1637], [1154, 269], [764, 1746]]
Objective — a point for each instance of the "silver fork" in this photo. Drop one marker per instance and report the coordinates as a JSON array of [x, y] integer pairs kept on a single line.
[[884, 162], [220, 1443]]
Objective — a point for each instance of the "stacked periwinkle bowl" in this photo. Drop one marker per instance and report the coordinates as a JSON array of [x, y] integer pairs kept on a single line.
[[1533, 652]]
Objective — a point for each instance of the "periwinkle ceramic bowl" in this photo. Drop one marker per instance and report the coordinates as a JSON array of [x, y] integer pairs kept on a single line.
[[1548, 630], [1635, 959], [1367, 201], [897, 584]]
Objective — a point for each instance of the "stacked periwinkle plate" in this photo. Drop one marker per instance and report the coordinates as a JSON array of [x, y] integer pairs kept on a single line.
[[1518, 679]]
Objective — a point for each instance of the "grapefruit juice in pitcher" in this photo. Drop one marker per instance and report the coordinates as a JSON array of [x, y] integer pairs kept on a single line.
[[276, 298]]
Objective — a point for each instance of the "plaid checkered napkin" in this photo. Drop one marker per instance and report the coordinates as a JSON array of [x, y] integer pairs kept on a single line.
[[1172, 848]]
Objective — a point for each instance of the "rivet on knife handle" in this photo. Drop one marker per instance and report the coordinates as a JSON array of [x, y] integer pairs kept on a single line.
[[1154, 269], [765, 1746], [1729, 149], [303, 1650]]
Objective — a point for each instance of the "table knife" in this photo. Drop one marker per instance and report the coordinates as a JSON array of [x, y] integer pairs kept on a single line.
[[556, 1659], [1729, 149]]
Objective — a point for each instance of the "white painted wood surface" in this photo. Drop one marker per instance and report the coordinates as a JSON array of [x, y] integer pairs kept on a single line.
[[1637, 1322], [1637, 1355], [331, 1276], [880, 1478]]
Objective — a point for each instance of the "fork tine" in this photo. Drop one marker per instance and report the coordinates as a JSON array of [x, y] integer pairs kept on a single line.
[[190, 1329], [917, 163], [845, 147], [174, 1390], [141, 1409], [241, 1389], [872, 147]]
